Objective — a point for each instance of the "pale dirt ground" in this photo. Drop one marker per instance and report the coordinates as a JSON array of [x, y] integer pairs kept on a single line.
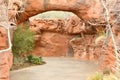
[[56, 69]]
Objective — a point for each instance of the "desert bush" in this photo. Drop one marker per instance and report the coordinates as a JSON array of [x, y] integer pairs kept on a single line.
[[34, 59], [23, 40]]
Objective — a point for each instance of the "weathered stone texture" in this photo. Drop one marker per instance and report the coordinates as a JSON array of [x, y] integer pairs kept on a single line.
[[55, 37], [5, 57], [5, 65], [52, 44]]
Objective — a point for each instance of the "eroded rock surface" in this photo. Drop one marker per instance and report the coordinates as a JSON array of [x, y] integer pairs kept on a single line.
[[52, 44], [63, 36], [56, 37], [5, 65], [87, 10], [5, 57]]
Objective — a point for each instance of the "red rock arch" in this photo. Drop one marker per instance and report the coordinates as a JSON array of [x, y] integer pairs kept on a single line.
[[87, 10]]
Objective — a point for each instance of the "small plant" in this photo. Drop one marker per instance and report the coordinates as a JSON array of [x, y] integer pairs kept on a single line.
[[97, 76], [29, 58], [34, 59], [110, 77], [37, 60], [106, 71], [105, 75]]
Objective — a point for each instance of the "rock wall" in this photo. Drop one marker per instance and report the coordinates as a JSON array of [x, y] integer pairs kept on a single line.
[[84, 48], [72, 37], [62, 37], [52, 44], [109, 56], [5, 65], [5, 57]]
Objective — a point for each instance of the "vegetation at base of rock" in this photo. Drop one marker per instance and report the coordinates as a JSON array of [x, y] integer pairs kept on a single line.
[[106, 71], [23, 40], [97, 76], [34, 59], [105, 75], [110, 77], [24, 62]]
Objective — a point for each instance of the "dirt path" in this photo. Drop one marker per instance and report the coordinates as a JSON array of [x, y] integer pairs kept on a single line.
[[56, 69]]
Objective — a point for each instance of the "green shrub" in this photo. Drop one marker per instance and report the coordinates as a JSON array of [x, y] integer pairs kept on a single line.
[[29, 58], [97, 76], [37, 60], [23, 40], [34, 59]]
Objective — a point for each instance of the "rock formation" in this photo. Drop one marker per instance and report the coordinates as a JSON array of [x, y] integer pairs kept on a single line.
[[61, 33], [5, 65], [57, 37], [87, 10], [109, 56], [6, 56], [72, 37]]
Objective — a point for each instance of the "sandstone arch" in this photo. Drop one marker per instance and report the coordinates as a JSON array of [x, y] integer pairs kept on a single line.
[[87, 10]]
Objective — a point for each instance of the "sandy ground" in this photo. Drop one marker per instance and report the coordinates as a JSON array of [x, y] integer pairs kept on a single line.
[[56, 69]]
